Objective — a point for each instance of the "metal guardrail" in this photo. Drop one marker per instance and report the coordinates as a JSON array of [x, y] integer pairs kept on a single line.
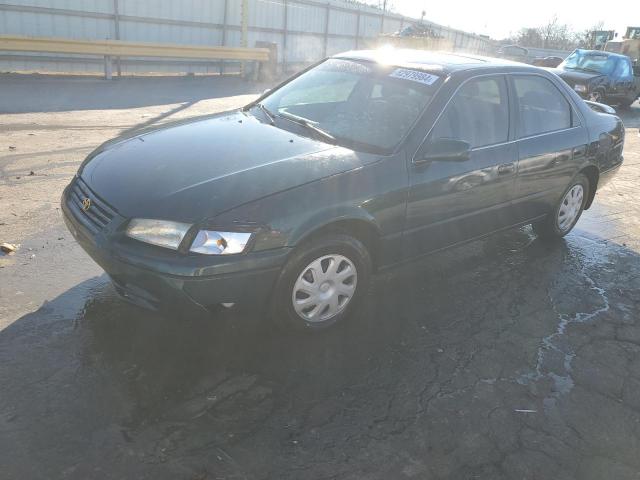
[[119, 48]]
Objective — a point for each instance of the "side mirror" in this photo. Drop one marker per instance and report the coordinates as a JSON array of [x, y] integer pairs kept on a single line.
[[444, 150]]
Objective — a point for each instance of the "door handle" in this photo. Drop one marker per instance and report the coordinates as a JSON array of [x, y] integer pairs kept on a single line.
[[506, 168]]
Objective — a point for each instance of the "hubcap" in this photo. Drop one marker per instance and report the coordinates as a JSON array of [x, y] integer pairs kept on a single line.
[[324, 288], [570, 207]]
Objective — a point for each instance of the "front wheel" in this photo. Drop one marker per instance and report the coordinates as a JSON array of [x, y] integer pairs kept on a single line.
[[597, 96], [566, 214], [322, 284]]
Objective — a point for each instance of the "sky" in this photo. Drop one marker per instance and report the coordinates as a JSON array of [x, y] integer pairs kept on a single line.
[[499, 18]]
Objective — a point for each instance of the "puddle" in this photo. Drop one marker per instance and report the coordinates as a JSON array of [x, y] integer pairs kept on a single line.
[[589, 255]]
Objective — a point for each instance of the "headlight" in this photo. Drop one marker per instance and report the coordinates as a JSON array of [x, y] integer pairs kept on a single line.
[[219, 243], [157, 232], [580, 88]]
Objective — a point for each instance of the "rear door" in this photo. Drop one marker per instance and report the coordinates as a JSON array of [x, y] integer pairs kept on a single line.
[[453, 201], [551, 142]]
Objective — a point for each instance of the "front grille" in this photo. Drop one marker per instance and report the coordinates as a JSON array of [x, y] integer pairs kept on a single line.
[[97, 215]]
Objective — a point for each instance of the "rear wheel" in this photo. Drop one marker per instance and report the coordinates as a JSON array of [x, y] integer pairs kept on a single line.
[[322, 283], [626, 103], [567, 212]]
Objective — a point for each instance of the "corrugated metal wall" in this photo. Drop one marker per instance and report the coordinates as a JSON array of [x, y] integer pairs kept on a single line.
[[305, 30]]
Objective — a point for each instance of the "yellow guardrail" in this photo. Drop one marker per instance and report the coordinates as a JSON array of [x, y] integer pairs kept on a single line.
[[120, 48]]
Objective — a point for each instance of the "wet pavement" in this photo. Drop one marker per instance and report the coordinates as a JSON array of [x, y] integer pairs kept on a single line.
[[505, 358]]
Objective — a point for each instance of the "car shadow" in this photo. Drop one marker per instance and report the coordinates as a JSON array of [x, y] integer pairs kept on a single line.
[[441, 347]]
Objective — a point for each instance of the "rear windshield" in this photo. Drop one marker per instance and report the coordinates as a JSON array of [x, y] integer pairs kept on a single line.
[[361, 104]]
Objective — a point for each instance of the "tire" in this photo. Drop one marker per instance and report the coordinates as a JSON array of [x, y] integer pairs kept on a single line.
[[627, 103], [557, 225], [331, 258]]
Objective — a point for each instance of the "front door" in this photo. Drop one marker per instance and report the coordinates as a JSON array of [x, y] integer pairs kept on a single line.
[[451, 200]]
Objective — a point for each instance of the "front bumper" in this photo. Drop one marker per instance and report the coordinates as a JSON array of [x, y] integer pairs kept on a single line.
[[161, 279]]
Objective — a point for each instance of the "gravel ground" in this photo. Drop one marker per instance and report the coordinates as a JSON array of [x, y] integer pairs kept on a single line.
[[505, 358]]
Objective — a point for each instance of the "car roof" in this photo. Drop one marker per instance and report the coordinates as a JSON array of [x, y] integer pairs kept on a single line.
[[600, 52], [431, 61]]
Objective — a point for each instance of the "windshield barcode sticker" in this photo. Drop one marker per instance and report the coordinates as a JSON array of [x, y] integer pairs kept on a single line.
[[414, 76]]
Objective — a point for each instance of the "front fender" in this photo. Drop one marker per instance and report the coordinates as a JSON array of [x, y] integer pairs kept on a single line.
[[336, 215], [374, 195], [602, 83]]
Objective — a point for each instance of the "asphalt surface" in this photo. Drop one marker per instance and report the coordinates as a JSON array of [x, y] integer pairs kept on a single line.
[[506, 358]]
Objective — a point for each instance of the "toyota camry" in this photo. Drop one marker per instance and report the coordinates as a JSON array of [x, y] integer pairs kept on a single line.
[[358, 163]]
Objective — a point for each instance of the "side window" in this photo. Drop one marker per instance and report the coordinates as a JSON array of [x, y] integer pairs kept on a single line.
[[477, 114], [542, 107], [623, 69]]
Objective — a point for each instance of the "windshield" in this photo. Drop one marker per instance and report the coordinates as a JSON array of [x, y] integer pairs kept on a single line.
[[355, 104], [595, 62]]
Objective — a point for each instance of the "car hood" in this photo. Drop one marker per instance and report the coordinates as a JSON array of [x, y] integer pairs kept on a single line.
[[575, 76], [198, 169]]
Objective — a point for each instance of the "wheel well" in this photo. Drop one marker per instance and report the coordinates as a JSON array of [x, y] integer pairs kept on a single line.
[[593, 174], [362, 230]]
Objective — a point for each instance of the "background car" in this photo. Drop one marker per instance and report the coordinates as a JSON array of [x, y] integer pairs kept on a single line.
[[550, 62], [514, 52], [603, 77]]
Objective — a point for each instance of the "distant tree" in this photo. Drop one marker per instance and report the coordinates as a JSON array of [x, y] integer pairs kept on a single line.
[[552, 35], [528, 37], [585, 38]]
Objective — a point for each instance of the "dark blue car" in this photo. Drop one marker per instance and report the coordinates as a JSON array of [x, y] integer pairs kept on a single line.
[[603, 77]]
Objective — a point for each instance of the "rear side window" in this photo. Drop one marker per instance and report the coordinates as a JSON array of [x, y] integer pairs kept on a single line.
[[478, 113], [542, 107]]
